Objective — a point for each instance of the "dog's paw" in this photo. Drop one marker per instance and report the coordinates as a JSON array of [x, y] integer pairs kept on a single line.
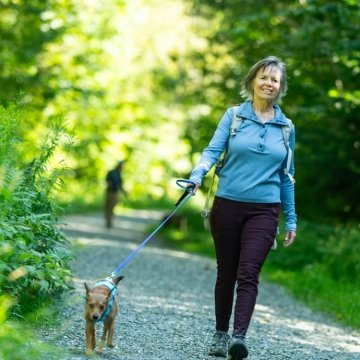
[[88, 352], [111, 345], [100, 348]]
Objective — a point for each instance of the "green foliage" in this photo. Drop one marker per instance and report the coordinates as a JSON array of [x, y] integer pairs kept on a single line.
[[152, 92], [342, 257], [26, 29], [104, 76], [187, 233], [17, 342], [315, 287], [33, 255], [333, 249], [319, 42], [323, 264], [157, 103]]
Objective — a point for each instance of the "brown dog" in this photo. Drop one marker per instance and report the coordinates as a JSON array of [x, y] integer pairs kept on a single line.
[[101, 305]]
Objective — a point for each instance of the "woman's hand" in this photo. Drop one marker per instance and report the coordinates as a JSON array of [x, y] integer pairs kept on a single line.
[[289, 238], [194, 186]]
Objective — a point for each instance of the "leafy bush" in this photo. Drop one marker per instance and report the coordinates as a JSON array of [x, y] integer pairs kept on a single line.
[[334, 249], [17, 342], [33, 255], [342, 254]]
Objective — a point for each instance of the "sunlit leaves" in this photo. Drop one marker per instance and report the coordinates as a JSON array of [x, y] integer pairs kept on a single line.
[[319, 42]]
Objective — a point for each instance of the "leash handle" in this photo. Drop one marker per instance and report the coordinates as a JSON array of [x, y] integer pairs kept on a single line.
[[188, 186]]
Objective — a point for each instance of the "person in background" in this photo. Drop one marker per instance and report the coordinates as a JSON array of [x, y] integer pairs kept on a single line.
[[114, 185], [252, 188]]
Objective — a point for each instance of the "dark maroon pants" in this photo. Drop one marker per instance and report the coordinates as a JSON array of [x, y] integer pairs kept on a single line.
[[243, 234]]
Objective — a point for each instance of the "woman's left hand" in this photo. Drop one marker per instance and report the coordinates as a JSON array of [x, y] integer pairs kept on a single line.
[[289, 238]]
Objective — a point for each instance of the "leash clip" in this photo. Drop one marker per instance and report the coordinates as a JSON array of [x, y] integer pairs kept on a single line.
[[205, 213]]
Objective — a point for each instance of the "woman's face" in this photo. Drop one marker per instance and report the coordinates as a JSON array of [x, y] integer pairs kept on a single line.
[[266, 84]]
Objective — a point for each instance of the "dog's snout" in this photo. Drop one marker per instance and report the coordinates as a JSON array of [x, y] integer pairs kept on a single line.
[[95, 316]]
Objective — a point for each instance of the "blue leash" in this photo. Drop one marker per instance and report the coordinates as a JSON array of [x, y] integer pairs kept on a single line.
[[188, 193]]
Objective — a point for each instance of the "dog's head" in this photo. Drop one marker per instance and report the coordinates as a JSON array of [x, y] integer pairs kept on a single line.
[[97, 299]]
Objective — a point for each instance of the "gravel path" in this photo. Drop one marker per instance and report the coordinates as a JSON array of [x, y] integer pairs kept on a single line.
[[166, 303]]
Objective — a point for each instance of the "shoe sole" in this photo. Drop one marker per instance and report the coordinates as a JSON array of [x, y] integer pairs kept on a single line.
[[237, 352], [218, 354]]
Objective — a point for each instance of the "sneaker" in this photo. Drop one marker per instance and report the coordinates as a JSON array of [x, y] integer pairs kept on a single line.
[[219, 346], [237, 349]]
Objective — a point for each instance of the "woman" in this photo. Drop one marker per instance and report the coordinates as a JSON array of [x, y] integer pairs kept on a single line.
[[252, 186]]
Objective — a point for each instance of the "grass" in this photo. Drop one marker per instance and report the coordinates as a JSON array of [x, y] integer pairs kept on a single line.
[[320, 292], [18, 341]]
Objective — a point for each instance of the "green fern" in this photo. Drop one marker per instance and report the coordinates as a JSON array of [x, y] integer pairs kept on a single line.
[[33, 255]]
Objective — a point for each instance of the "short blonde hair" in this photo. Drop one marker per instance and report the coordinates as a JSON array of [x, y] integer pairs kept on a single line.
[[270, 61]]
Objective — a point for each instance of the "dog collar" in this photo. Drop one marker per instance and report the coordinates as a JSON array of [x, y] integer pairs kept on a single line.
[[113, 290]]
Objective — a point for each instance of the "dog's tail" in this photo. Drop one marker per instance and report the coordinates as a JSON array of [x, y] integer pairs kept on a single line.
[[117, 279]]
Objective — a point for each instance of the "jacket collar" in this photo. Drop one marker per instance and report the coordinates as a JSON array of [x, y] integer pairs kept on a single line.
[[246, 111]]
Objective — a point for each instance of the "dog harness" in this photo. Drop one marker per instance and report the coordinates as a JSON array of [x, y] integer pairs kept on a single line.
[[113, 290]]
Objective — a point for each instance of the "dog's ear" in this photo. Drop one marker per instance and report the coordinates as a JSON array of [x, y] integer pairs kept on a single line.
[[87, 289], [117, 279]]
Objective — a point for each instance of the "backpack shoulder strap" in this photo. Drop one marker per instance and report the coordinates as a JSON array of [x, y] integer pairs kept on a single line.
[[286, 130], [236, 121], [235, 124]]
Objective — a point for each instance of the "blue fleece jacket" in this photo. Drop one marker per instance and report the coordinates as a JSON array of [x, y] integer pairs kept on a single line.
[[255, 161]]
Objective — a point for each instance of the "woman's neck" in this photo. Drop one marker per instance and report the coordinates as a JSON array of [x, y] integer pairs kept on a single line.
[[264, 110], [262, 106]]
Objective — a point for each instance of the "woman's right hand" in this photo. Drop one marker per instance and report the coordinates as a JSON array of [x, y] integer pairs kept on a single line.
[[194, 188]]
